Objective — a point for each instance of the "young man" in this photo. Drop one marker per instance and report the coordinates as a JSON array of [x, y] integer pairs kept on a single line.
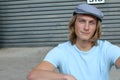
[[84, 56]]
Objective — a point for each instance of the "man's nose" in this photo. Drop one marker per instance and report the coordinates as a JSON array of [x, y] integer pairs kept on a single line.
[[86, 27]]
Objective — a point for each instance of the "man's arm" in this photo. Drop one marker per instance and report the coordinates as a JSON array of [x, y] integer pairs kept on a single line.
[[46, 71], [117, 63]]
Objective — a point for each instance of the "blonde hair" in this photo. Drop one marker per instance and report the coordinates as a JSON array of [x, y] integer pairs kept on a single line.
[[72, 35]]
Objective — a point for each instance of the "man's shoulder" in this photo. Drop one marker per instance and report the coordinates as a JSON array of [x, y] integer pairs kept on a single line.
[[65, 44], [104, 42]]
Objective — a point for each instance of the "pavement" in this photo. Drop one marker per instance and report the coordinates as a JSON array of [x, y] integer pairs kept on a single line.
[[16, 63]]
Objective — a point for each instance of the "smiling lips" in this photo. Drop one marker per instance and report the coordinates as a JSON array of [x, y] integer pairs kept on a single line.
[[85, 33]]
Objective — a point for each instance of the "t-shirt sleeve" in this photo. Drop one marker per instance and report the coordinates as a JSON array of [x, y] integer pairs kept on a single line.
[[113, 52], [53, 56]]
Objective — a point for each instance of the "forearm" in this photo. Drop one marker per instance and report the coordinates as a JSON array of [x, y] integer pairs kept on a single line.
[[48, 75]]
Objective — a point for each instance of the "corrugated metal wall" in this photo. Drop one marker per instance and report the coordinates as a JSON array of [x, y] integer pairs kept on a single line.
[[28, 23]]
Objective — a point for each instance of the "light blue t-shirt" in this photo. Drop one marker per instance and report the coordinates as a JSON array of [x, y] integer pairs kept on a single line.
[[94, 64]]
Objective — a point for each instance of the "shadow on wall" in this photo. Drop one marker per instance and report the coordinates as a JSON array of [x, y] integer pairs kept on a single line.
[[1, 33]]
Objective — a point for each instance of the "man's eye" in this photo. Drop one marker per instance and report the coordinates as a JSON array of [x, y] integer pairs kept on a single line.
[[92, 23], [81, 21]]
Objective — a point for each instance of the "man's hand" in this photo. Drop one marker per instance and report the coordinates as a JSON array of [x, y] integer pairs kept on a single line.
[[69, 77]]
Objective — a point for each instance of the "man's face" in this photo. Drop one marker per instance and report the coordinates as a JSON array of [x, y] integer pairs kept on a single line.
[[85, 26]]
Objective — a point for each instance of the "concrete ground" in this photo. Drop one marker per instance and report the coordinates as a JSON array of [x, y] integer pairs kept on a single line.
[[16, 63]]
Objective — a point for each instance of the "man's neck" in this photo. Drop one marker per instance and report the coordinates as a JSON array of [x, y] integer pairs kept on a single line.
[[83, 45]]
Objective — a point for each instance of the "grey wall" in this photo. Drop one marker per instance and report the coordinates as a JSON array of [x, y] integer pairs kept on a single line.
[[28, 23]]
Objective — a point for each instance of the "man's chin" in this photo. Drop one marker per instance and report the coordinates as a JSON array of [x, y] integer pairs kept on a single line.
[[85, 40]]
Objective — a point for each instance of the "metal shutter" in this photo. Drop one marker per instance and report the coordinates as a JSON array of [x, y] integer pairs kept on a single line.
[[28, 23]]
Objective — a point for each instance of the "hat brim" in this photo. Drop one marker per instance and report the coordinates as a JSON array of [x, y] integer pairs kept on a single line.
[[74, 13]]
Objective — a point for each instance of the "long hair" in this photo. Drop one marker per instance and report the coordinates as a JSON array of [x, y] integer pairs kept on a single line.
[[72, 35]]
